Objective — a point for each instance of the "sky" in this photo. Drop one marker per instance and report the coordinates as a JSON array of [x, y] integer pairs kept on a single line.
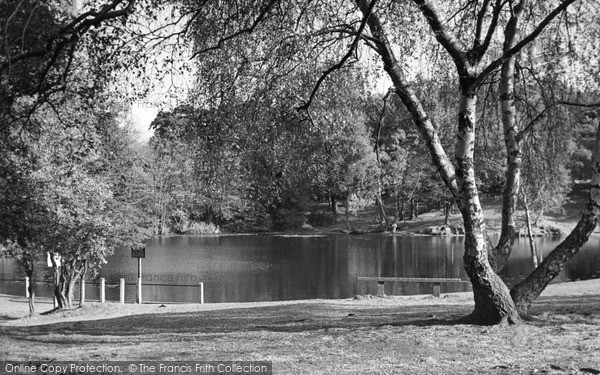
[[142, 117], [166, 90]]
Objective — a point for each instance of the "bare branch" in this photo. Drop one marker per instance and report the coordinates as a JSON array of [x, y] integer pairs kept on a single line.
[[523, 133], [480, 49], [408, 96], [576, 104], [247, 30], [479, 25], [380, 120], [470, 3], [525, 41], [68, 34], [345, 58], [349, 30], [445, 37]]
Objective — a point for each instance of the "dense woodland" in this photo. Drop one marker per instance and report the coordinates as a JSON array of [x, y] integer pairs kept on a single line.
[[289, 108]]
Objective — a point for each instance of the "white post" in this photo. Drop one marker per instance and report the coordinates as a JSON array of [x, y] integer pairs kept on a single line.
[[81, 291], [139, 282], [201, 285], [27, 286], [102, 290], [122, 290], [436, 290], [139, 290]]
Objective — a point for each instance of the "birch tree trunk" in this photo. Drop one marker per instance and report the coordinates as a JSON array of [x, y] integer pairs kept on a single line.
[[333, 203], [399, 208], [530, 288], [381, 215], [82, 284], [59, 286], [66, 275], [29, 266], [532, 247], [512, 139], [493, 303], [409, 98]]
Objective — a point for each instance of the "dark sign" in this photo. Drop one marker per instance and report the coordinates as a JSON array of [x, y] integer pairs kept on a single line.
[[138, 252]]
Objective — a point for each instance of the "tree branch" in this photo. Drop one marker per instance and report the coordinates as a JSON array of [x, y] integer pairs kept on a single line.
[[345, 58], [479, 49], [528, 39], [78, 26], [66, 36], [408, 96], [576, 104], [247, 30], [349, 30], [523, 133], [445, 37], [479, 25], [380, 121]]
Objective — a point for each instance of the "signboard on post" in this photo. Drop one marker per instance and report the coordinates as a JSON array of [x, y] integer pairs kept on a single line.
[[138, 252]]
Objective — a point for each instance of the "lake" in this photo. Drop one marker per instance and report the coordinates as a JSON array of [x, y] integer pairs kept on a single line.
[[242, 268]]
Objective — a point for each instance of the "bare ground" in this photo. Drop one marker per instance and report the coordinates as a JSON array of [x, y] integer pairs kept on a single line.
[[367, 335]]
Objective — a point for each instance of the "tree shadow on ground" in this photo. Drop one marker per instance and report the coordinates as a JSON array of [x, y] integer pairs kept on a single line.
[[8, 317], [300, 317], [578, 309], [293, 318]]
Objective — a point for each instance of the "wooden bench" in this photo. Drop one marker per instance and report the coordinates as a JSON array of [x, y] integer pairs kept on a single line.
[[436, 281]]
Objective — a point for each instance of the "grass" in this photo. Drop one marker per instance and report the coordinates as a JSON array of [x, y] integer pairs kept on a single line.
[[369, 335]]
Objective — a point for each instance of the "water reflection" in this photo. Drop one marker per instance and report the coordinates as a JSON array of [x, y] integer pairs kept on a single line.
[[263, 268]]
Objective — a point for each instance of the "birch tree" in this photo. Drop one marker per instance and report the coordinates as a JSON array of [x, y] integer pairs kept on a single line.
[[480, 39]]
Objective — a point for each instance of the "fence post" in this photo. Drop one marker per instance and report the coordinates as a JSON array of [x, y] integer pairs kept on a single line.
[[436, 290], [81, 291], [122, 290], [139, 289], [380, 288], [201, 285], [27, 286], [102, 290]]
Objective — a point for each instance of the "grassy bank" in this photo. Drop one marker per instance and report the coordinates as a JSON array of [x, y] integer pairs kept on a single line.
[[565, 219], [404, 335]]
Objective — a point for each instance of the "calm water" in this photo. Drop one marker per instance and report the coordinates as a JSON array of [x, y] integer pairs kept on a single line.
[[264, 268]]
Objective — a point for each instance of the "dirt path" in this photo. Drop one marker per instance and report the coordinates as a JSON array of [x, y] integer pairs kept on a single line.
[[396, 335]]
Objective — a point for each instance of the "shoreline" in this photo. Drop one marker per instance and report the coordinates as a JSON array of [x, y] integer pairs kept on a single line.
[[363, 222], [14, 309]]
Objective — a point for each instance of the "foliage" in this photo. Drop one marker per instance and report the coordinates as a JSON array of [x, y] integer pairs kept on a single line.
[[60, 188], [202, 228], [253, 160]]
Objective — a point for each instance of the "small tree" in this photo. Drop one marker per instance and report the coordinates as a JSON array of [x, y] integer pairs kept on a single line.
[[83, 231], [26, 256]]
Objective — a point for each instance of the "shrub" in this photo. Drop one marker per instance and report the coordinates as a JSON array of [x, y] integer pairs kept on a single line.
[[202, 228], [287, 218], [321, 219]]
